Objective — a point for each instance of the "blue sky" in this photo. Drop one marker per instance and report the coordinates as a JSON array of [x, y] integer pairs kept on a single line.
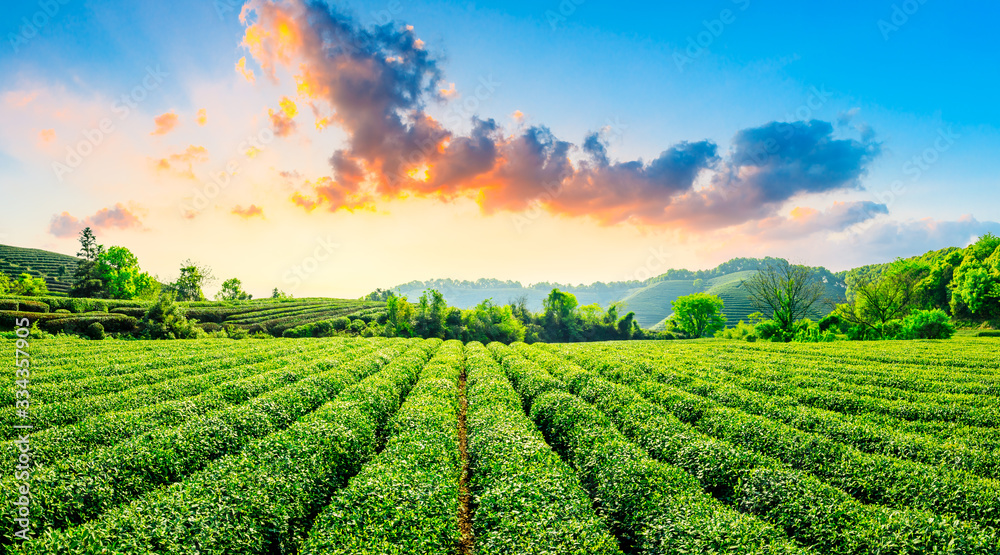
[[900, 79]]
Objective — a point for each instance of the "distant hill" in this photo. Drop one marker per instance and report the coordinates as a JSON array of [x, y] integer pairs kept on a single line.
[[650, 299], [56, 269]]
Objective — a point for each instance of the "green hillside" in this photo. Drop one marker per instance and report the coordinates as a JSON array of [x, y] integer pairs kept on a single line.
[[272, 316], [56, 269], [649, 300]]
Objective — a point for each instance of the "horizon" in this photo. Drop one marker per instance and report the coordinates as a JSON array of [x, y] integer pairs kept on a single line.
[[566, 142]]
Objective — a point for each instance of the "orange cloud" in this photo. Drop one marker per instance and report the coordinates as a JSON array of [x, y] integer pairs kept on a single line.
[[241, 68], [118, 217], [47, 135], [165, 123], [202, 117], [450, 92], [182, 164], [281, 120], [518, 116], [252, 211]]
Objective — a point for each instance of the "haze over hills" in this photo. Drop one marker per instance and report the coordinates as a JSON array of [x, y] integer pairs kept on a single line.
[[650, 299]]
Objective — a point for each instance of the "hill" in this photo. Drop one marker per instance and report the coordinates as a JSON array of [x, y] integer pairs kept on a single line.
[[650, 300], [271, 316], [56, 269]]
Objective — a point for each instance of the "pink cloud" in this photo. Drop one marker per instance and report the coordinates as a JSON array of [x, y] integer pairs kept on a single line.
[[118, 217], [165, 123]]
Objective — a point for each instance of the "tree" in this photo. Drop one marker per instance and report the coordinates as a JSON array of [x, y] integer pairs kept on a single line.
[[699, 315], [119, 272], [488, 322], [976, 284], [875, 299], [787, 291], [378, 295], [89, 249], [87, 281], [560, 316], [430, 315], [399, 316], [279, 295], [193, 277], [232, 290], [166, 320], [27, 286]]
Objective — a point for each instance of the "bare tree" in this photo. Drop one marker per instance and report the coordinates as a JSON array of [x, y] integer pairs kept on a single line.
[[875, 299], [787, 291]]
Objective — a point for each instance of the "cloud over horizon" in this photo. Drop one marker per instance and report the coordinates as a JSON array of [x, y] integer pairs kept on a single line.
[[119, 217], [377, 82]]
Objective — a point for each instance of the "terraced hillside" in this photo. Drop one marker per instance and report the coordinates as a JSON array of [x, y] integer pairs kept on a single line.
[[56, 269], [374, 446], [265, 315]]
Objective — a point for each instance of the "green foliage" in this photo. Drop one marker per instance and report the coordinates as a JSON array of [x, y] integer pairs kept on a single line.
[[741, 332], [118, 269], [699, 315], [188, 286], [489, 322], [926, 324], [528, 501], [232, 290], [406, 500], [279, 295], [96, 331], [5, 284], [166, 320], [27, 286], [379, 295]]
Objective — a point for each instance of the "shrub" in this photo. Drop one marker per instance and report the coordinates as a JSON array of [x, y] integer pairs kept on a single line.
[[769, 330], [79, 324], [210, 327], [341, 324], [62, 311], [358, 326], [741, 331], [18, 305], [830, 321], [926, 324], [988, 333], [166, 320], [236, 332], [95, 331]]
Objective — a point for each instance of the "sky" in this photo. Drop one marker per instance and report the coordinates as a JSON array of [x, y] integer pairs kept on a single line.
[[327, 149]]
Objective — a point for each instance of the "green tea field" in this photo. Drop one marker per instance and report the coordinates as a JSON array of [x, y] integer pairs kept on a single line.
[[413, 446]]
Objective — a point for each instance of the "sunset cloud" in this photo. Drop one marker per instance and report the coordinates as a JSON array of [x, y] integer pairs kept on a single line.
[[252, 211], [165, 123], [202, 117], [377, 83], [182, 164], [46, 136], [241, 68], [118, 217], [281, 120]]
